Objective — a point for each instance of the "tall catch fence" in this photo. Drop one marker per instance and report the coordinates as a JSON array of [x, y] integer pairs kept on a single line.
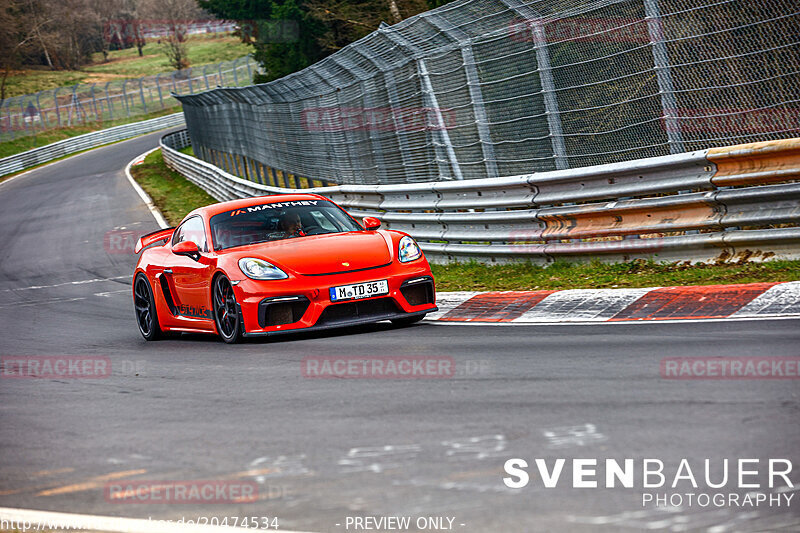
[[493, 88], [22, 116]]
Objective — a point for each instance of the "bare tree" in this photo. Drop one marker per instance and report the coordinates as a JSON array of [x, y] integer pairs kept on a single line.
[[175, 15], [109, 13]]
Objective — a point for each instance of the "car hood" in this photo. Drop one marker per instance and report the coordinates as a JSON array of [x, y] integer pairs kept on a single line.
[[329, 254]]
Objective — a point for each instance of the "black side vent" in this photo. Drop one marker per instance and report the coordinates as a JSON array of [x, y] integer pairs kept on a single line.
[[418, 291], [281, 310]]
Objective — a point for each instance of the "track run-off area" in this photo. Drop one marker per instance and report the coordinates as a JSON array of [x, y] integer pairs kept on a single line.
[[320, 450]]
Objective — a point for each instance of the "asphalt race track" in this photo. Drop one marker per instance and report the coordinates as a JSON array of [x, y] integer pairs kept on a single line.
[[324, 449]]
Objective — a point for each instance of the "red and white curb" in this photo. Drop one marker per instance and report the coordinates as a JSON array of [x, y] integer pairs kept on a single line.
[[695, 302]]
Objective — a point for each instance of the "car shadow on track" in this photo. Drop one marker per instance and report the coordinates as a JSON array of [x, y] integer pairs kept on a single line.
[[282, 338]]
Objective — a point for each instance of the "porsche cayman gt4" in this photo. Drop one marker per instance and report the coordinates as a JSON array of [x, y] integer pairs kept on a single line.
[[277, 264]]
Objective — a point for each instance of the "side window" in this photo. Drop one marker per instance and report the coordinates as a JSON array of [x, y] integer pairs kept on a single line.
[[191, 230], [322, 221]]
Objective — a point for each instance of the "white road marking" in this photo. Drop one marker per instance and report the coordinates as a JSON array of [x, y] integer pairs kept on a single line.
[[109, 293], [65, 284], [42, 302], [111, 524], [143, 195], [569, 436], [482, 447]]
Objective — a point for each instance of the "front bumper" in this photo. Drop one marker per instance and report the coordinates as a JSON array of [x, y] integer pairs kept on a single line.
[[302, 303]]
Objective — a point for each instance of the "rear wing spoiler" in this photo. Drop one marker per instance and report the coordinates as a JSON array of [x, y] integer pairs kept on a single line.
[[146, 240]]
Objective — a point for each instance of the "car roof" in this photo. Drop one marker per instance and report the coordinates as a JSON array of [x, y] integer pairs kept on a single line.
[[221, 207]]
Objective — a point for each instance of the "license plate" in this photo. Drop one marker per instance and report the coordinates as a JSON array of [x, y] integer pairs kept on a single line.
[[359, 290]]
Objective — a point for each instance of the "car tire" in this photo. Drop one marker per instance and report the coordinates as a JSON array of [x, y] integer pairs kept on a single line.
[[144, 305], [226, 310], [407, 321]]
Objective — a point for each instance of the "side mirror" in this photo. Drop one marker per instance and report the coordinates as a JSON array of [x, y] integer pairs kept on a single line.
[[187, 248], [371, 223]]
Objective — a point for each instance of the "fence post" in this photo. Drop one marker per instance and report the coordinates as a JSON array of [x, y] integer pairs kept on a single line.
[[43, 116], [235, 76], [249, 70], [55, 102], [94, 104], [141, 94], [430, 96], [669, 104], [109, 103], [474, 86], [367, 89], [534, 21], [125, 98], [158, 86], [205, 78], [221, 77], [394, 99]]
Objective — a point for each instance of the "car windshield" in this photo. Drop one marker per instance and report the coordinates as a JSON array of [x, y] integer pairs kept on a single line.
[[278, 221]]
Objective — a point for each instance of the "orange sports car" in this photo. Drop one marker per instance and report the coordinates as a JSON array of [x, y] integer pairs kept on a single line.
[[277, 264]]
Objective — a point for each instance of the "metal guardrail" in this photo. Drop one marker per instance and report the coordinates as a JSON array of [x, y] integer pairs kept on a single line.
[[37, 156], [668, 208], [487, 88]]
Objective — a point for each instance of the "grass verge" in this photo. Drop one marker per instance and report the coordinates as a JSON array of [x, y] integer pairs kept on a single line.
[[202, 50], [175, 196]]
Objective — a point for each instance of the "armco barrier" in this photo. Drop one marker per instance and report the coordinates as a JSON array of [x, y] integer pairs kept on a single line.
[[37, 156], [667, 208]]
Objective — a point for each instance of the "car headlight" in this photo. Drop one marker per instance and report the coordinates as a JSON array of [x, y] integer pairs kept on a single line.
[[408, 250], [259, 269]]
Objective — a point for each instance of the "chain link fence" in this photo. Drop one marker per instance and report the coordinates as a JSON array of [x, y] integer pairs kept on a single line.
[[488, 88], [21, 116]]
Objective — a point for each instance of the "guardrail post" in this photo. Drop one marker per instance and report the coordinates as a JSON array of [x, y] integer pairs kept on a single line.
[[661, 64], [474, 87], [534, 21]]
